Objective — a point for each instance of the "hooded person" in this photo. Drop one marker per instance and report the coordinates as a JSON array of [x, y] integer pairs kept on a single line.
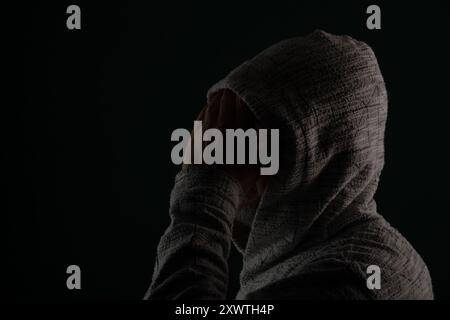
[[314, 232]]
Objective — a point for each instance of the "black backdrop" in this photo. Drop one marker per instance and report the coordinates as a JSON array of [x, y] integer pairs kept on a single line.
[[87, 168]]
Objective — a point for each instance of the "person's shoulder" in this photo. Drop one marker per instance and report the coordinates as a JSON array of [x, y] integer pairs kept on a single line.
[[380, 250]]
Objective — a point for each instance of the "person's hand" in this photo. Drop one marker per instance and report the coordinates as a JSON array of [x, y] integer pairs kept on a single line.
[[227, 111]]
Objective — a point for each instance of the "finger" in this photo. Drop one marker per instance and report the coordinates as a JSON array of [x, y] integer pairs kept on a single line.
[[227, 110], [215, 97], [244, 117], [202, 113], [212, 114]]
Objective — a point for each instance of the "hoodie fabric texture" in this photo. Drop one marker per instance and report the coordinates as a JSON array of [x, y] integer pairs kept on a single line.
[[316, 228]]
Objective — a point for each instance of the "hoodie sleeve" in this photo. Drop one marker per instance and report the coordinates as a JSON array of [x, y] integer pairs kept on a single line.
[[192, 254]]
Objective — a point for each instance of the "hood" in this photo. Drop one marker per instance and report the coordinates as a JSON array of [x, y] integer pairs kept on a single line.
[[327, 97]]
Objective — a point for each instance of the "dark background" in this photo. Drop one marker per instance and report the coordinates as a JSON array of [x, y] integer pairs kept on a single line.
[[87, 169]]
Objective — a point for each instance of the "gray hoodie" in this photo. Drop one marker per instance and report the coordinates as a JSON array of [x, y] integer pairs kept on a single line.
[[316, 229]]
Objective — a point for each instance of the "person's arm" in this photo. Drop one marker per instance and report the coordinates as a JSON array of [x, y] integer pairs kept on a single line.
[[192, 256]]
